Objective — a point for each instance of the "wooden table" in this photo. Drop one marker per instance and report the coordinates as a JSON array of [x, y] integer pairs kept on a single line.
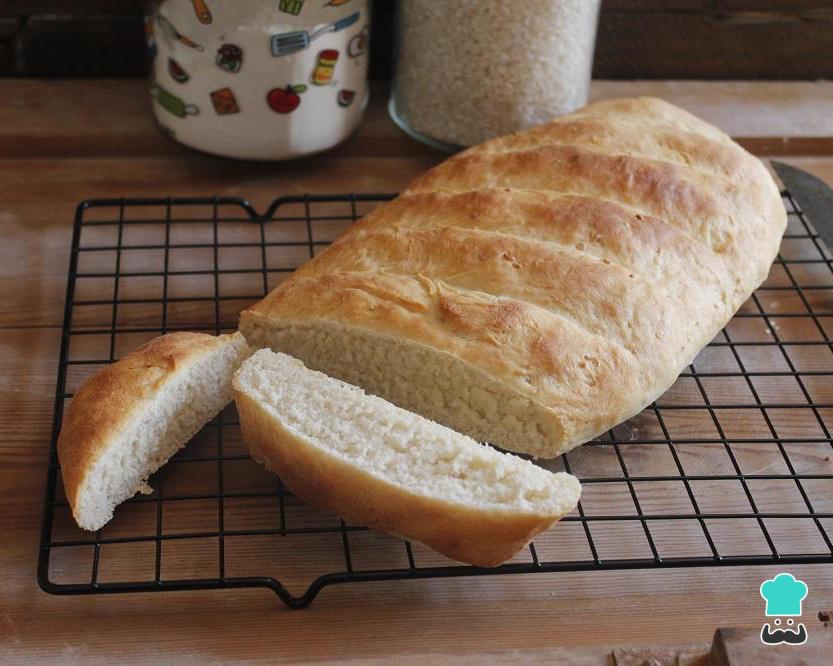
[[63, 141]]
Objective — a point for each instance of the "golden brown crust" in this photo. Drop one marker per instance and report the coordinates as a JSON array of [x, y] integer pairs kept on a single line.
[[107, 402], [669, 192], [583, 262], [478, 536]]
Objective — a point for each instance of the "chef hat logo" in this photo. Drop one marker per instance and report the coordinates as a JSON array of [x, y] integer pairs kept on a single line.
[[783, 595]]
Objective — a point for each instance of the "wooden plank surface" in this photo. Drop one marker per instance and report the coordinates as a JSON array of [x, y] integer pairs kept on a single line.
[[716, 39], [732, 39], [109, 118], [50, 162], [767, 118]]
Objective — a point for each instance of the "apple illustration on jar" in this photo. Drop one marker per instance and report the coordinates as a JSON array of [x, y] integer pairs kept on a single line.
[[285, 100]]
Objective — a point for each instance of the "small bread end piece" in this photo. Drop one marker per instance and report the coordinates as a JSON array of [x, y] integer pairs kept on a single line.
[[129, 418]]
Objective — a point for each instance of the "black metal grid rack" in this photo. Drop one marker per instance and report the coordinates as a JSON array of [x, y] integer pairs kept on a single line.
[[731, 467]]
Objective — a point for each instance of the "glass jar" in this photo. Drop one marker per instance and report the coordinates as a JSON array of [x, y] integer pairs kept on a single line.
[[469, 70], [259, 79]]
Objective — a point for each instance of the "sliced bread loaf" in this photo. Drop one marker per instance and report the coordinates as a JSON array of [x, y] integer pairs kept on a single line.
[[389, 469], [538, 289], [128, 419]]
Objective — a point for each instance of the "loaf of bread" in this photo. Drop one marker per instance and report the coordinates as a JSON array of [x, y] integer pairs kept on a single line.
[[129, 418], [537, 289], [391, 470]]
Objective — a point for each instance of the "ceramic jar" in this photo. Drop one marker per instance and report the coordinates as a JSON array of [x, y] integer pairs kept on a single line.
[[259, 79]]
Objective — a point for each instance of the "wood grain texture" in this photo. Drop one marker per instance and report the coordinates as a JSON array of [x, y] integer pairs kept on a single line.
[[729, 40], [39, 188], [723, 39], [110, 118]]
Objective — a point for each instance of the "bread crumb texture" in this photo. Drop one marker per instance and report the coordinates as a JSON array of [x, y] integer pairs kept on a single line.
[[399, 447]]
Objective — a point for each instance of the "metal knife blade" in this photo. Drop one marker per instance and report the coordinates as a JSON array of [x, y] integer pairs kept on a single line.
[[813, 195]]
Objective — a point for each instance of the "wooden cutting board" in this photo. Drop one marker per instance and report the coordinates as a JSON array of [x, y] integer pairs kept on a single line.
[[63, 141]]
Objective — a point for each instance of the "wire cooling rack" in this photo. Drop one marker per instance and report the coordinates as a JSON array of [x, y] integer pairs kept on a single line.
[[731, 467]]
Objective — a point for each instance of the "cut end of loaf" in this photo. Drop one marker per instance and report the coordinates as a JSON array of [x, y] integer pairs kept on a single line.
[[424, 380], [387, 468], [136, 414]]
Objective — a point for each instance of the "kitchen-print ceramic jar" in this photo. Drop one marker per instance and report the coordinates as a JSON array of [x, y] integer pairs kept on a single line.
[[469, 70], [259, 79]]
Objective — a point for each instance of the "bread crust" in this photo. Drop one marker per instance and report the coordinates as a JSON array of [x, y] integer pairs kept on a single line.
[[482, 537], [107, 403], [582, 263]]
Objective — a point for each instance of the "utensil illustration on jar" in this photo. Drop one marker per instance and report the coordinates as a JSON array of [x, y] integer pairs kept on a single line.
[[202, 11], [287, 43], [322, 75], [173, 34], [170, 102]]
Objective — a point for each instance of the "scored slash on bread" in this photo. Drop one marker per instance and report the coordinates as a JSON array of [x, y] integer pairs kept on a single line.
[[386, 468], [538, 289], [128, 419]]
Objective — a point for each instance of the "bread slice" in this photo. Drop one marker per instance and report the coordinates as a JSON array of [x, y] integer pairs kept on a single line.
[[538, 289], [381, 466], [128, 419]]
